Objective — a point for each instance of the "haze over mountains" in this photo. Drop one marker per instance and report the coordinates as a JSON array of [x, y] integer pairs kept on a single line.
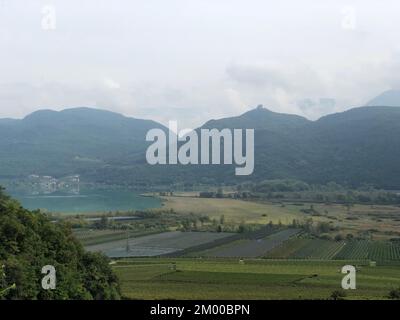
[[358, 146], [390, 98]]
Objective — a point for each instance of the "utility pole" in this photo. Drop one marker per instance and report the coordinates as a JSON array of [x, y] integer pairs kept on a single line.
[[128, 249]]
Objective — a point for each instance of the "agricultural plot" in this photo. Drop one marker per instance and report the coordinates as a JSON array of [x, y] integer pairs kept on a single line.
[[92, 236], [155, 245], [354, 250], [287, 249], [251, 248], [384, 251], [380, 251], [318, 249], [89, 237], [183, 278]]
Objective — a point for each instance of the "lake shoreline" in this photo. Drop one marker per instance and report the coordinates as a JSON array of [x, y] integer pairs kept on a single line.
[[91, 202]]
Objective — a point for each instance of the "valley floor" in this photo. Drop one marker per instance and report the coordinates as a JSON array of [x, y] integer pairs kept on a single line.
[[185, 278], [155, 257], [382, 222]]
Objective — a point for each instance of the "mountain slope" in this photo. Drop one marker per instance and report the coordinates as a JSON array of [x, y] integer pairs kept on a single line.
[[58, 143], [260, 118], [358, 146]]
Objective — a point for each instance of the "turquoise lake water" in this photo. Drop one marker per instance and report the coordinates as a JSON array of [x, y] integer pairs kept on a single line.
[[89, 201]]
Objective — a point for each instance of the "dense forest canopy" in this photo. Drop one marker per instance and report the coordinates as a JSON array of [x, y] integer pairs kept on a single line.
[[349, 148], [29, 241]]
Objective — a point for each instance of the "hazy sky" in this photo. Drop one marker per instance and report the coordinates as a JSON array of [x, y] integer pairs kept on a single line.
[[192, 60]]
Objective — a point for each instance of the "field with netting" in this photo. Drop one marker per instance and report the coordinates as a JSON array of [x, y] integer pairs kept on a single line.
[[251, 247], [307, 249], [318, 249]]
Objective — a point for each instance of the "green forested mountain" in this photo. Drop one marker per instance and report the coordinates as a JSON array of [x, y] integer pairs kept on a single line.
[[260, 119], [58, 143], [354, 147], [29, 241], [358, 146]]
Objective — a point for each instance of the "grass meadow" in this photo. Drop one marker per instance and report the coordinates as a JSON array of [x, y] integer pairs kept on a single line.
[[381, 221]]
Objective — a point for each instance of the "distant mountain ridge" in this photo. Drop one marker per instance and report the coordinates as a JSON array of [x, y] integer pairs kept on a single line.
[[390, 98], [64, 142], [259, 118], [350, 147], [358, 146]]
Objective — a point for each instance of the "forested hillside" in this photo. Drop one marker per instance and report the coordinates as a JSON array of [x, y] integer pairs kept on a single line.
[[355, 147], [29, 241]]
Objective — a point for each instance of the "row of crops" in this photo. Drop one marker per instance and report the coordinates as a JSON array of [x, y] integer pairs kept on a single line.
[[307, 249], [250, 235], [319, 249], [355, 250], [338, 250], [372, 250], [250, 248]]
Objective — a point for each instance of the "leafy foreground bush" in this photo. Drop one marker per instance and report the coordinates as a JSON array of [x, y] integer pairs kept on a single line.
[[29, 241]]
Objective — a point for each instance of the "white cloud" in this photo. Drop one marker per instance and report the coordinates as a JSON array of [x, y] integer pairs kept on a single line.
[[111, 84], [195, 60]]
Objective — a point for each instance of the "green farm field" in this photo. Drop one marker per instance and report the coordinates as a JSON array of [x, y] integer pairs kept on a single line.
[[184, 278], [93, 236], [318, 249]]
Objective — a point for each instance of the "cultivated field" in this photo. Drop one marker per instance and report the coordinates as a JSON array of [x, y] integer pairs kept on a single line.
[[298, 248], [250, 248], [182, 278], [372, 250], [90, 237], [93, 236], [156, 244], [318, 249]]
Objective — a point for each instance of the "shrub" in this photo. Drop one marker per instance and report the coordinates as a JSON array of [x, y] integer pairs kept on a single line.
[[338, 295], [394, 294]]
